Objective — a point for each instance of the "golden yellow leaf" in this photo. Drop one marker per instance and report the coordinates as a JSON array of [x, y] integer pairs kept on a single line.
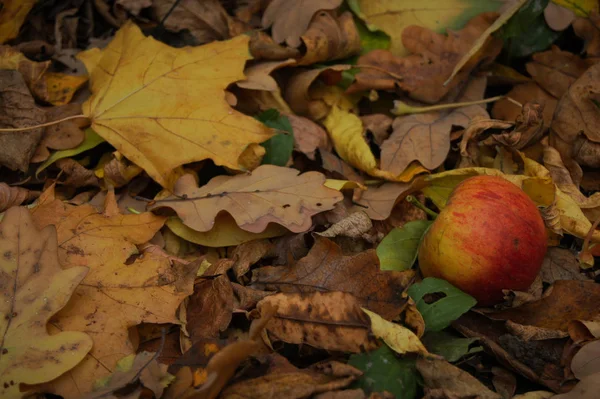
[[582, 8], [346, 132], [396, 336], [34, 288], [58, 88], [438, 15], [121, 289], [12, 16], [224, 233], [162, 107], [271, 194]]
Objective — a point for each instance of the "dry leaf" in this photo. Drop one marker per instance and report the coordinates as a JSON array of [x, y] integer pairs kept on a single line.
[[529, 127], [397, 337], [270, 194], [331, 321], [378, 124], [34, 288], [454, 382], [558, 18], [283, 380], [422, 75], [330, 38], [247, 254], [18, 110], [14, 196], [12, 16], [289, 19], [76, 174], [308, 136], [62, 136], [57, 88], [560, 264], [14, 60], [325, 269], [199, 125], [525, 93], [378, 202], [355, 225], [115, 295], [587, 29], [258, 76]]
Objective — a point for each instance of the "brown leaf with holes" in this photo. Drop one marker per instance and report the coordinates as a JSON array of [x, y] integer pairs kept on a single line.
[[330, 320], [422, 74], [15, 196], [18, 110], [121, 290], [271, 194], [330, 37], [325, 269], [289, 19], [284, 380]]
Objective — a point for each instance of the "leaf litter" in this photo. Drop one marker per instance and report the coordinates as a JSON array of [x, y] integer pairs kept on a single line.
[[226, 199]]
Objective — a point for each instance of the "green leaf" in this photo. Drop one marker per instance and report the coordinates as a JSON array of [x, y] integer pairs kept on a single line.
[[527, 31], [398, 250], [384, 371], [451, 347], [279, 147], [91, 140], [439, 314]]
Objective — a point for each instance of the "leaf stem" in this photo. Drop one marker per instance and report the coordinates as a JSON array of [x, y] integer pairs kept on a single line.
[[20, 129], [401, 108], [411, 199]]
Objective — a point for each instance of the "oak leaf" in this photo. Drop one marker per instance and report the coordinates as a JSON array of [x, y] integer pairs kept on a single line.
[[271, 194], [117, 293], [290, 19], [162, 107], [423, 73], [330, 320], [326, 269], [34, 288]]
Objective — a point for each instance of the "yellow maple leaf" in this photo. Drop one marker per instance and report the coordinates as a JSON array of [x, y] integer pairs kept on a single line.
[[12, 16], [34, 288], [116, 294], [162, 107]]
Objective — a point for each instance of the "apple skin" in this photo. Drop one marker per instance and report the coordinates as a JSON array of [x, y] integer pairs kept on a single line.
[[489, 237]]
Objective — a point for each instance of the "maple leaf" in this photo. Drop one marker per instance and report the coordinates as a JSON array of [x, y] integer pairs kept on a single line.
[[115, 294], [162, 107], [34, 288], [270, 194]]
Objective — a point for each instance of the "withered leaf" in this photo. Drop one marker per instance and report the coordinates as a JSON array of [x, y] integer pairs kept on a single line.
[[422, 74], [326, 269], [587, 29], [378, 202], [14, 196], [331, 321], [308, 136], [270, 194], [62, 136]]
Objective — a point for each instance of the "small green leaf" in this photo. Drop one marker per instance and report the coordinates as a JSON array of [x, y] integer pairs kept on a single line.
[[398, 250], [527, 31], [279, 147], [451, 347], [384, 371], [91, 140], [441, 313]]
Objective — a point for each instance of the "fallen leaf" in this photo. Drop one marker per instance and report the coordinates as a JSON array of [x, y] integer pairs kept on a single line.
[[378, 202], [12, 16], [331, 321], [34, 288], [14, 60], [62, 136], [585, 389], [278, 149], [355, 225], [438, 374], [142, 370], [283, 380], [558, 18], [439, 314], [385, 371], [290, 20], [224, 233], [582, 8], [247, 254], [587, 29], [207, 21], [116, 170], [398, 250], [528, 129], [325, 269], [18, 110], [270, 194], [199, 125], [567, 300], [379, 125], [396, 336], [90, 140], [258, 76], [76, 174], [394, 18], [531, 92], [329, 38], [586, 362], [114, 296], [58, 88], [14, 196], [423, 73], [308, 136], [449, 346], [560, 264]]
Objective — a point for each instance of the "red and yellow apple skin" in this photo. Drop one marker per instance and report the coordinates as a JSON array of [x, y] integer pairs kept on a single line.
[[489, 237]]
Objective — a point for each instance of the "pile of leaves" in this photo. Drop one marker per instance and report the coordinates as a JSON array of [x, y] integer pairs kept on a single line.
[[206, 198]]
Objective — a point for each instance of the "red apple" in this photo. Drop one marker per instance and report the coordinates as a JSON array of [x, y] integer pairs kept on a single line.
[[489, 237]]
